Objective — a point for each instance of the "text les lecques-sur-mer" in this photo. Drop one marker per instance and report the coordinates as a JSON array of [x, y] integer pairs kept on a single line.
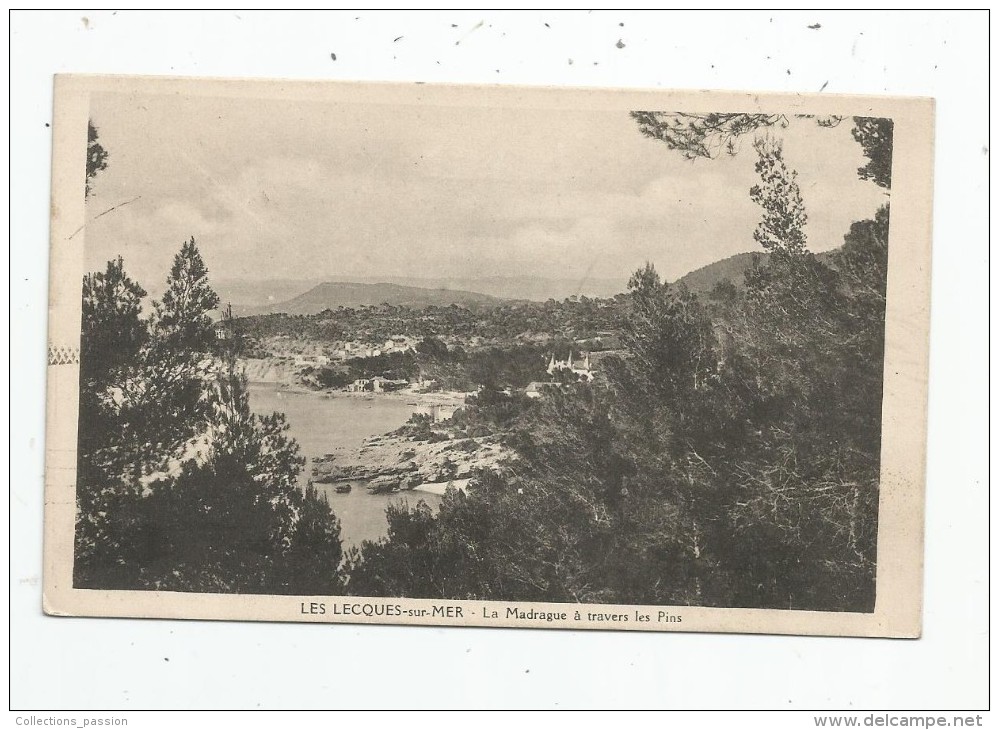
[[387, 610]]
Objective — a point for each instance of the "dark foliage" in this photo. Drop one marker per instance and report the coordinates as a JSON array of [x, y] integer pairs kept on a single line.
[[97, 156], [708, 135], [181, 321], [113, 331], [179, 486], [576, 318], [875, 136], [729, 457]]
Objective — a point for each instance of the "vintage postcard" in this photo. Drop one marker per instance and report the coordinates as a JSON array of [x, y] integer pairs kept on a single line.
[[490, 356]]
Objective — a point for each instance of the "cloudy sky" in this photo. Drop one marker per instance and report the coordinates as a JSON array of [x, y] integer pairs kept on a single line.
[[307, 190]]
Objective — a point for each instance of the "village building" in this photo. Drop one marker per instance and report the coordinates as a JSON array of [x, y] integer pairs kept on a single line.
[[581, 368], [381, 385], [377, 384], [360, 385]]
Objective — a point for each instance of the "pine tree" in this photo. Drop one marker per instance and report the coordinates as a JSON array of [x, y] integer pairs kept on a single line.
[[875, 135], [669, 332], [181, 320], [781, 229], [311, 564], [112, 339], [112, 329], [97, 157]]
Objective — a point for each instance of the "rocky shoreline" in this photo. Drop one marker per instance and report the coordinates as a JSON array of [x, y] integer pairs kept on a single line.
[[397, 462], [403, 459]]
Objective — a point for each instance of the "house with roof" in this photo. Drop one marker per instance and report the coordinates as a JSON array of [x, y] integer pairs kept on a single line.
[[581, 368]]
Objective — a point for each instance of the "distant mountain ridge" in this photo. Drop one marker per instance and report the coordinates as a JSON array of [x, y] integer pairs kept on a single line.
[[733, 268], [524, 286], [311, 296], [248, 295], [333, 294]]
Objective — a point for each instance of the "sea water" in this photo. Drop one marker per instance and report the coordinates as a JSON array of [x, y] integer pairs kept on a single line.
[[323, 424]]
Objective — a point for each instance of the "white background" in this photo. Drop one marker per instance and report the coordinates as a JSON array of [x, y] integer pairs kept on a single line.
[[84, 664]]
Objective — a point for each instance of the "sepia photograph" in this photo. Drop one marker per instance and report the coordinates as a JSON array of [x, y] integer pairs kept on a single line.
[[478, 359], [450, 354]]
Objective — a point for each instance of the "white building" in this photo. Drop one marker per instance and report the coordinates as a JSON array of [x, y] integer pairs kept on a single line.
[[580, 368]]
